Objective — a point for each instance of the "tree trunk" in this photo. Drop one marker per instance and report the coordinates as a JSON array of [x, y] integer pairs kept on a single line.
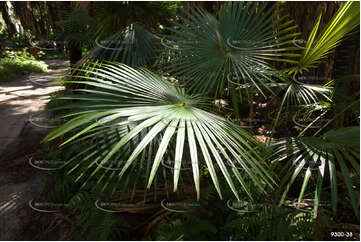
[[210, 6], [75, 53], [53, 18], [39, 13], [75, 50], [6, 16], [53, 11], [24, 11]]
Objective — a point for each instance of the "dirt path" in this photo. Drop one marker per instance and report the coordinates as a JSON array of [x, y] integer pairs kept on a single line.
[[19, 182]]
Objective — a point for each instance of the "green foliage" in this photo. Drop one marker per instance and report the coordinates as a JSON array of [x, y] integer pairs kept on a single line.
[[112, 17], [271, 223], [345, 104], [307, 156], [340, 26], [136, 109], [16, 42], [207, 50], [141, 119], [77, 28], [19, 63], [345, 20], [134, 46], [93, 224], [54, 55], [21, 55], [96, 224], [191, 227], [216, 222]]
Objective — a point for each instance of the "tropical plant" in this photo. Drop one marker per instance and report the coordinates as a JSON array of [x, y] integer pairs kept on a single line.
[[134, 46], [341, 25], [134, 111], [112, 17], [271, 223], [18, 63], [345, 105], [217, 222], [142, 119], [78, 27], [125, 32], [231, 49], [336, 149], [95, 223]]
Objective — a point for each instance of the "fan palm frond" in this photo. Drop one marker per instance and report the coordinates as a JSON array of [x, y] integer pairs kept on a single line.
[[344, 22], [303, 95], [333, 151], [205, 50], [78, 27], [133, 46], [112, 17], [134, 111]]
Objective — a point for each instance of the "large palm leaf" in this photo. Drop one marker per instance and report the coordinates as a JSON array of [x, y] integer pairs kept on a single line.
[[135, 111], [345, 20], [298, 94], [335, 150], [134, 46], [206, 49], [343, 23], [77, 28]]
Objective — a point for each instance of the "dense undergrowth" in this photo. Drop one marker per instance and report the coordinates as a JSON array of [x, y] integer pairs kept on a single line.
[[199, 135], [16, 64]]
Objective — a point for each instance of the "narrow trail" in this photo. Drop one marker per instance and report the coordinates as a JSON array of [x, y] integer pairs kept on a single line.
[[20, 102]]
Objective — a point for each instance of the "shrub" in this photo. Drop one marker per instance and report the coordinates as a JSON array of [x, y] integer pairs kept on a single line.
[[18, 63]]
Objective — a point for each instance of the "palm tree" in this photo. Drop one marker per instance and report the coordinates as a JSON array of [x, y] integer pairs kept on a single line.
[[229, 50], [337, 148], [139, 115], [334, 150], [134, 111]]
